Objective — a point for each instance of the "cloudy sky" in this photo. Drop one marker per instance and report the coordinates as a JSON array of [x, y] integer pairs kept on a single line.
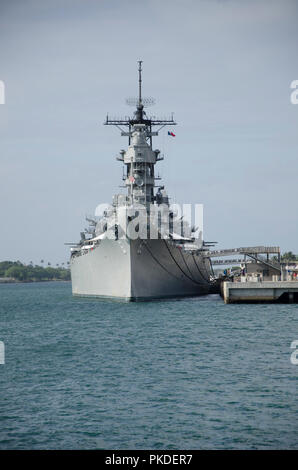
[[224, 68]]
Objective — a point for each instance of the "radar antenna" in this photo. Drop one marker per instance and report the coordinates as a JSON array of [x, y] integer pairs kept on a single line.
[[146, 102], [140, 116], [140, 82]]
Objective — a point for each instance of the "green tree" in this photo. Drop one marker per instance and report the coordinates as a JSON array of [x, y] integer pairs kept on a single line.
[[21, 272], [17, 272], [289, 256]]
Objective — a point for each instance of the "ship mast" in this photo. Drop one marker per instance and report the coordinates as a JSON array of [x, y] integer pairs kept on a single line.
[[140, 117], [140, 82], [140, 158]]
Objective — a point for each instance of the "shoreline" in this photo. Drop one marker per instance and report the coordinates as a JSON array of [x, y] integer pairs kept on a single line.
[[29, 281]]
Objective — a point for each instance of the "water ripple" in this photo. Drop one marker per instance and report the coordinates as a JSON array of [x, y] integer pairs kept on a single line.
[[188, 373]]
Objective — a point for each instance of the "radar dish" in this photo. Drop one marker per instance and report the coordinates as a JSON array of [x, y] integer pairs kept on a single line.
[[146, 102]]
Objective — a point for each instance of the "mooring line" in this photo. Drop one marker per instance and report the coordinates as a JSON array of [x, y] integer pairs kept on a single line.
[[192, 280], [156, 260], [199, 269]]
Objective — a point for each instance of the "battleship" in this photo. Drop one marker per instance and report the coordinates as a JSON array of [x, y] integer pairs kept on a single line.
[[139, 248]]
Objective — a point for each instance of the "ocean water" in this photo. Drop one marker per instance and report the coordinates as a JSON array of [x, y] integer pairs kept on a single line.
[[178, 374]]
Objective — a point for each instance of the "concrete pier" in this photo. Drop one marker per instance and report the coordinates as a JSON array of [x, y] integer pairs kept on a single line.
[[266, 291]]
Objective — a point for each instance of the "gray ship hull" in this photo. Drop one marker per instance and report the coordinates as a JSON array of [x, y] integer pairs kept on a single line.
[[139, 270], [111, 263]]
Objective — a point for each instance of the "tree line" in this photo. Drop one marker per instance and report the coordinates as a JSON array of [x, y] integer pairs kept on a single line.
[[289, 256], [22, 272]]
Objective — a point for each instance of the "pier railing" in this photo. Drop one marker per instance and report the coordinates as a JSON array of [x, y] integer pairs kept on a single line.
[[243, 251]]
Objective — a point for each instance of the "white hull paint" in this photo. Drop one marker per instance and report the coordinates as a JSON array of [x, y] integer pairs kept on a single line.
[[139, 270]]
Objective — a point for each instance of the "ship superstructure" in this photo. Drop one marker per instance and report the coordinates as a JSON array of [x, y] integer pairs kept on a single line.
[[140, 248]]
